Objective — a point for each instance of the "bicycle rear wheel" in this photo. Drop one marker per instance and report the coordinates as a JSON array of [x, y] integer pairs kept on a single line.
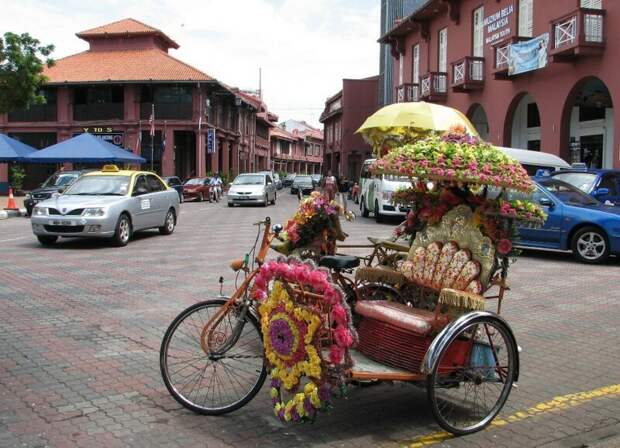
[[207, 384]]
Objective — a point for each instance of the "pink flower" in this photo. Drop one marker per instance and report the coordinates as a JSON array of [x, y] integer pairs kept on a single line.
[[260, 282], [343, 336], [336, 354], [504, 246], [318, 280], [339, 315], [331, 295]]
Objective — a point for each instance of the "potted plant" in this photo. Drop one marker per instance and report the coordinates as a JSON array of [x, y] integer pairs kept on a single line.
[[16, 179]]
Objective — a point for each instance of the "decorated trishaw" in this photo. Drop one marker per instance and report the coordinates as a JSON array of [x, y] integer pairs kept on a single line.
[[315, 335]]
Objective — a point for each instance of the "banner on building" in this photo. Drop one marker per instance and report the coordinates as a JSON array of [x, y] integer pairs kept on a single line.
[[528, 55], [210, 141]]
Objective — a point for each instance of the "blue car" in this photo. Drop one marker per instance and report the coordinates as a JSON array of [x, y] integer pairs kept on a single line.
[[604, 185], [577, 222]]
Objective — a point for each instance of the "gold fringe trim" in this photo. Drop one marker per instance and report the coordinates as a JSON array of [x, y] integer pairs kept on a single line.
[[466, 301], [380, 275]]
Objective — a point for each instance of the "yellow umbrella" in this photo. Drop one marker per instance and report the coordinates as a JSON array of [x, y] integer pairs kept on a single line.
[[419, 115]]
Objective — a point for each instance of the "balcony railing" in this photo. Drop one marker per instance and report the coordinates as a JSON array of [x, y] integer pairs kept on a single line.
[[103, 111], [407, 93], [434, 86], [36, 112], [468, 74], [167, 111], [580, 32]]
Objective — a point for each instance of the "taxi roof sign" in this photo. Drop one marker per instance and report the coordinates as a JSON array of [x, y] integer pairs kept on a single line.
[[110, 169]]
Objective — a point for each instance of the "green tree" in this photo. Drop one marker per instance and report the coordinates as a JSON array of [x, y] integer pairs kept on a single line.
[[22, 59]]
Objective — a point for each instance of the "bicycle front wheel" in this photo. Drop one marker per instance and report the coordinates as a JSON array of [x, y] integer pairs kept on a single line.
[[202, 382]]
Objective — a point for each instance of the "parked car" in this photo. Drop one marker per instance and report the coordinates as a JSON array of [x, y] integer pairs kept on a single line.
[[536, 161], [57, 182], [252, 188], [110, 203], [198, 189], [303, 183], [576, 222], [316, 178], [604, 185], [176, 184], [275, 177], [376, 192], [288, 180]]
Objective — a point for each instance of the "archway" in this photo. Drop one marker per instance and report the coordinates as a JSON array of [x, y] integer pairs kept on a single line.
[[588, 124], [478, 117], [522, 128]]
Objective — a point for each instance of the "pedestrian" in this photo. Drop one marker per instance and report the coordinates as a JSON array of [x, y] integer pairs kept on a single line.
[[329, 186]]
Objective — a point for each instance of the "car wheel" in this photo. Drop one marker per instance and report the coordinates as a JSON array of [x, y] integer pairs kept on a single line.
[[169, 223], [47, 240], [123, 231], [275, 195], [363, 208], [590, 245], [230, 204], [378, 215], [180, 199], [200, 197], [266, 200]]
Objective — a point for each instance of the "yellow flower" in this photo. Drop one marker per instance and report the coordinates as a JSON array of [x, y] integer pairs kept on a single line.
[[274, 392]]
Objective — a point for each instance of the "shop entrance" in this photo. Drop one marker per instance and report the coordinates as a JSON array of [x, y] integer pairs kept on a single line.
[[185, 154], [591, 125], [478, 118], [525, 124]]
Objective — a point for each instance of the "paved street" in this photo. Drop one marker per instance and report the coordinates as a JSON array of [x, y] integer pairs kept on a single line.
[[82, 323]]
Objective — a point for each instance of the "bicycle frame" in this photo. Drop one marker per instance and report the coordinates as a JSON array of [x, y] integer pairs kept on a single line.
[[239, 296]]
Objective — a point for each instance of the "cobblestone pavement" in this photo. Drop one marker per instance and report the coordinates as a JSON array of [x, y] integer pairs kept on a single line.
[[82, 323]]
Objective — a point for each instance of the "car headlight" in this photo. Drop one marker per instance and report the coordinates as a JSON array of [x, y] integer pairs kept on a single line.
[[94, 212], [40, 211], [387, 195]]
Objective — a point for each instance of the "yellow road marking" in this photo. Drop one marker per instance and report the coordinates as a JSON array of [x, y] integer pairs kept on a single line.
[[556, 404]]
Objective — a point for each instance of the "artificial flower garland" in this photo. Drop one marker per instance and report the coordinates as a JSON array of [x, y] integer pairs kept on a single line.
[[291, 335]]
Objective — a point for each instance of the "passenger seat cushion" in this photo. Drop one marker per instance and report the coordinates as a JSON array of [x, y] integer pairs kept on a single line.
[[414, 320]]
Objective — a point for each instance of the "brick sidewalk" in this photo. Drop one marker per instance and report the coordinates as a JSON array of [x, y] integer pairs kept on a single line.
[[82, 324]]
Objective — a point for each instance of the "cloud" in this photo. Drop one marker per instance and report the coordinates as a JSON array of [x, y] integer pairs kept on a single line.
[[304, 47]]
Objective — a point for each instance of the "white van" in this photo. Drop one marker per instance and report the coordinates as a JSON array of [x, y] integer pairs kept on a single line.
[[534, 161], [376, 193]]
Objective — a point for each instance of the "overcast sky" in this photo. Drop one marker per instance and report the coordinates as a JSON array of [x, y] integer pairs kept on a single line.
[[305, 47]]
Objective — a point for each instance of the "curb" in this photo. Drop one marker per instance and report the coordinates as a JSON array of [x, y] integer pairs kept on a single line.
[[5, 214]]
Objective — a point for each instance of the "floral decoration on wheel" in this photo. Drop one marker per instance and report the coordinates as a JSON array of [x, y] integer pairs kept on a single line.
[[307, 331]]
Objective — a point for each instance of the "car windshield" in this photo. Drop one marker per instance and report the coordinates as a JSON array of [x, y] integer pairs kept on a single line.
[[303, 179], [583, 181], [60, 180], [250, 179], [100, 185], [290, 177], [568, 193], [196, 181], [392, 178]]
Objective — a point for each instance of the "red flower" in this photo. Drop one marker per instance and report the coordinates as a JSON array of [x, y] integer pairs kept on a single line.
[[504, 246]]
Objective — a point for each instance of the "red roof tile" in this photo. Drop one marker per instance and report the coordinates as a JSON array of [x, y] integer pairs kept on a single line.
[[122, 65], [124, 27], [280, 133]]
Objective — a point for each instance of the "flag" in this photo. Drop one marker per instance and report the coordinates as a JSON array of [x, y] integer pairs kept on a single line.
[[152, 120], [139, 139], [163, 140]]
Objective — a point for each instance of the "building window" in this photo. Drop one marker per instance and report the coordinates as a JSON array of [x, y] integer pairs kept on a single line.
[[533, 116], [401, 67], [443, 50], [591, 113], [478, 37], [592, 4], [526, 18], [533, 145], [415, 78]]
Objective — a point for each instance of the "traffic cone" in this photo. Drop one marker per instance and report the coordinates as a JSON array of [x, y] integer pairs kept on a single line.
[[11, 205]]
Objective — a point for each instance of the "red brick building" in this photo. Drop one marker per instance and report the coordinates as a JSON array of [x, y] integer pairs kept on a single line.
[[559, 98], [299, 151], [111, 90], [344, 113]]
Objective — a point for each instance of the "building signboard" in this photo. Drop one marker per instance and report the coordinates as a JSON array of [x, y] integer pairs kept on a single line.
[[528, 55], [499, 25], [107, 134], [210, 141]]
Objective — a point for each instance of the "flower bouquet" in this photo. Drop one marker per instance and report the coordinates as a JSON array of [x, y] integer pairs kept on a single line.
[[315, 226]]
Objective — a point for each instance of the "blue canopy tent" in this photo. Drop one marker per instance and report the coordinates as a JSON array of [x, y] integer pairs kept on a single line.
[[84, 148], [12, 150]]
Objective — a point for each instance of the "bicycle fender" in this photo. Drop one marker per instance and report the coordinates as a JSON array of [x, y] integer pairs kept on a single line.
[[440, 342]]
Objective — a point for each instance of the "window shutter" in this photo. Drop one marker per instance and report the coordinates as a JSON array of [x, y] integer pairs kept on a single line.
[[401, 66], [416, 64], [526, 17], [443, 50], [592, 4], [478, 32]]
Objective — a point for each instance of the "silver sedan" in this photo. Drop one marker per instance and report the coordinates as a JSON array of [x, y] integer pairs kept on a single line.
[[108, 204]]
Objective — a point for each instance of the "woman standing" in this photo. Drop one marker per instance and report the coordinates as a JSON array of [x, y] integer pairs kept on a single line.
[[329, 186]]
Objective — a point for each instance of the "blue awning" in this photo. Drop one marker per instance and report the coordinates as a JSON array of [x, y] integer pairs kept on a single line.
[[84, 148], [12, 150]]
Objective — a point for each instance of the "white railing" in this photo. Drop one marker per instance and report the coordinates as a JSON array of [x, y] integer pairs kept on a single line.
[[565, 32], [458, 73], [426, 86]]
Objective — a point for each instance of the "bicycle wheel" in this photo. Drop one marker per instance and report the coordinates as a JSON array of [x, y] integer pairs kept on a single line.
[[473, 376], [207, 384]]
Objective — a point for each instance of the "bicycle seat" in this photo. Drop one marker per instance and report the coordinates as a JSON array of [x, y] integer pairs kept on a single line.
[[339, 261]]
